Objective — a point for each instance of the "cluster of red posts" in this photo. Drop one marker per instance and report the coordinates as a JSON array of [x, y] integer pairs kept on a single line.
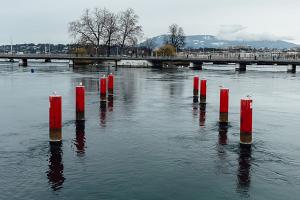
[[107, 86], [55, 109], [245, 112]]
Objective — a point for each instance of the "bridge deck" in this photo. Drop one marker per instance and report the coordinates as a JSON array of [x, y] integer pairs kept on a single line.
[[214, 59]]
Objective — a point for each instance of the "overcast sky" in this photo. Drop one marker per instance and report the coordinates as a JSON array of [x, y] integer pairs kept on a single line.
[[46, 21]]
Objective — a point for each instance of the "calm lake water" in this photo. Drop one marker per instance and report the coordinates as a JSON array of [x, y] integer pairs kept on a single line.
[[153, 143]]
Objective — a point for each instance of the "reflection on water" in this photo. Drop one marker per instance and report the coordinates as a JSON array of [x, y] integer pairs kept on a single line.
[[91, 84], [223, 136], [147, 155], [195, 110], [55, 174], [80, 138], [129, 87], [243, 174], [202, 117], [102, 115], [110, 105], [175, 89], [222, 166]]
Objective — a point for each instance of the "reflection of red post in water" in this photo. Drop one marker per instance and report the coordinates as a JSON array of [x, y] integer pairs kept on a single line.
[[80, 101], [56, 167], [110, 87], [246, 122], [103, 117], [223, 136], [55, 118], [80, 140], [103, 91], [195, 110], [244, 176], [224, 102], [203, 94], [110, 106], [202, 118], [196, 90]]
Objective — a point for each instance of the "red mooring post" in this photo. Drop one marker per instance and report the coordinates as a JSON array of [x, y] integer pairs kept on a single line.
[[203, 94], [80, 102], [246, 122], [224, 104], [55, 118], [103, 91], [110, 87], [196, 90]]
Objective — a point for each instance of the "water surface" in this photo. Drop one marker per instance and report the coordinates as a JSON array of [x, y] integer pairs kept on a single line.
[[152, 143]]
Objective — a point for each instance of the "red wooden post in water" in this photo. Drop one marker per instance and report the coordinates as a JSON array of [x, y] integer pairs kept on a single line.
[[224, 104], [55, 118], [203, 94], [110, 87], [80, 102], [246, 122], [103, 91], [196, 89]]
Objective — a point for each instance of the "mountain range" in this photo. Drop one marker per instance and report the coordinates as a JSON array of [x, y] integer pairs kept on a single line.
[[210, 41]]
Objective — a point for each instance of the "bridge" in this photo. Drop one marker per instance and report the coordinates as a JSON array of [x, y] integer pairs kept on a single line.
[[192, 62]]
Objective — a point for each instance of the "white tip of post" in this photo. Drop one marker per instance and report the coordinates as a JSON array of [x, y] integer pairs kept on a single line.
[[80, 84], [54, 93], [248, 96]]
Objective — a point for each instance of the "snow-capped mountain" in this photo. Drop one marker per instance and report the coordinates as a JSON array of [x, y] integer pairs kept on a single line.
[[210, 41]]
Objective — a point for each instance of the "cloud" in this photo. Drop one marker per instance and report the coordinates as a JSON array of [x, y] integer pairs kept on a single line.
[[231, 29], [239, 32]]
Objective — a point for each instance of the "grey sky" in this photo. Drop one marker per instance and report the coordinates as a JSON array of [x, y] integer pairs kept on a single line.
[[47, 20]]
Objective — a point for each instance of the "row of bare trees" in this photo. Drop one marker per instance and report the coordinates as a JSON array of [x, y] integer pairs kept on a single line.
[[101, 27]]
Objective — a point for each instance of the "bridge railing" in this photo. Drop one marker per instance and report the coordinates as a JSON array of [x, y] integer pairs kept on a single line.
[[207, 56], [244, 56]]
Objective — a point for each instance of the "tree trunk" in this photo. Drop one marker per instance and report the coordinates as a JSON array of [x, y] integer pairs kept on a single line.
[[108, 49]]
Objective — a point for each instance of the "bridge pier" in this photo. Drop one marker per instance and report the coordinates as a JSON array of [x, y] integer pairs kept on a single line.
[[24, 62], [241, 67], [157, 64], [196, 65], [292, 68], [71, 63], [47, 60], [116, 65]]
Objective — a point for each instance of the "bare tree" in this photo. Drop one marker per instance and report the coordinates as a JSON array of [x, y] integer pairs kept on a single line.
[[89, 29], [129, 28], [149, 44], [101, 27], [110, 31], [175, 36]]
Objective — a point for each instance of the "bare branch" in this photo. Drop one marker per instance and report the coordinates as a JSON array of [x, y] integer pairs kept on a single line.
[[130, 31], [102, 27], [110, 30], [176, 36]]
